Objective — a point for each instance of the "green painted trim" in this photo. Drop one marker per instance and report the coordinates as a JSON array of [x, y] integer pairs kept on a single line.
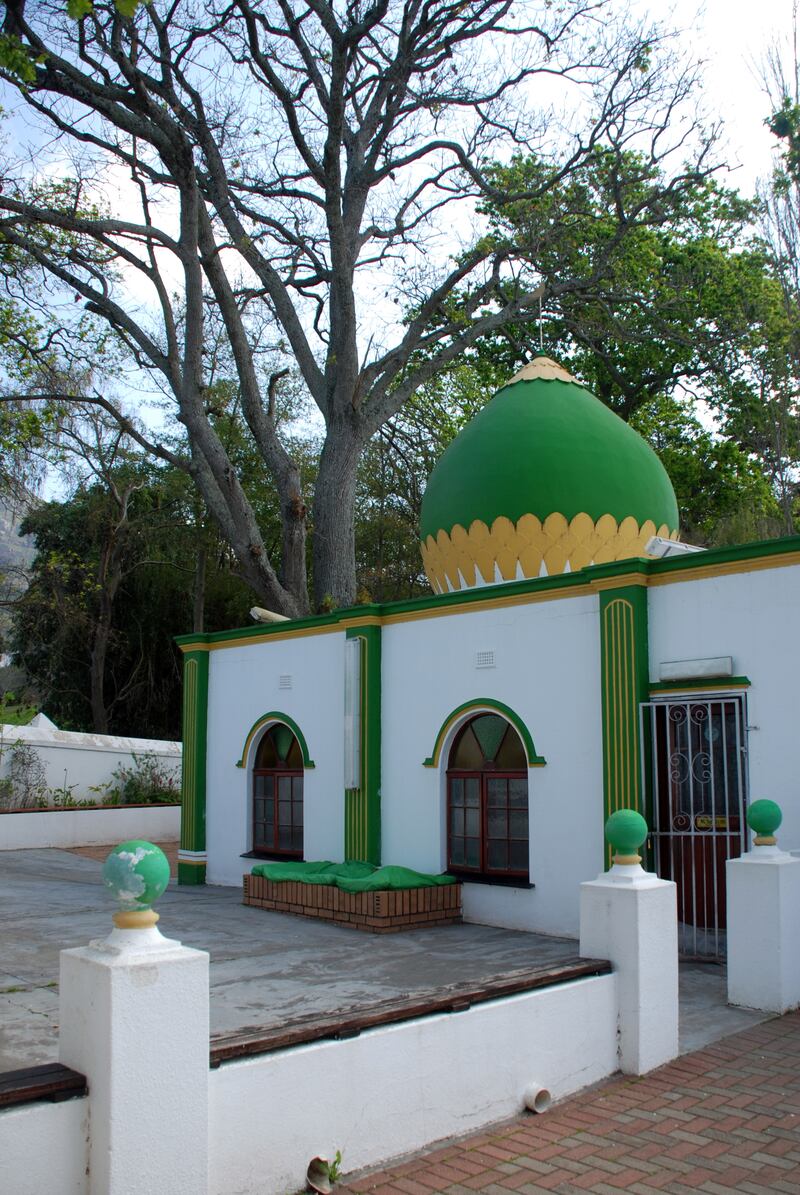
[[652, 571], [486, 703], [275, 716], [625, 684], [711, 682], [193, 772], [362, 806], [191, 873]]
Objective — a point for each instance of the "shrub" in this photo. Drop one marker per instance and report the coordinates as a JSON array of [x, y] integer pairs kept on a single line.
[[145, 782]]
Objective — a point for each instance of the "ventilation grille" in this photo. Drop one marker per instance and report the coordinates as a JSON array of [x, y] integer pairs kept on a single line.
[[284, 682], [484, 659]]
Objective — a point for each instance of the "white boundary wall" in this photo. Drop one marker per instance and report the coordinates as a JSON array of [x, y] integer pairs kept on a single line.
[[44, 1148], [85, 760], [88, 827], [377, 1096], [400, 1088]]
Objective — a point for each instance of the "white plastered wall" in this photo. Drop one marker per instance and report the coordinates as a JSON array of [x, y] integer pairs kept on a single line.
[[243, 686], [753, 617], [547, 670], [398, 1088]]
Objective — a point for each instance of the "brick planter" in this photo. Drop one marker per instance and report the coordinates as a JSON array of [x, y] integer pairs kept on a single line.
[[375, 912]]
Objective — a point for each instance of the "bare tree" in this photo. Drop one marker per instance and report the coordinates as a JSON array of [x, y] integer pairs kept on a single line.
[[314, 160]]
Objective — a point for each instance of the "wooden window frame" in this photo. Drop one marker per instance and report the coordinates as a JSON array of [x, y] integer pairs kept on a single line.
[[276, 851], [483, 776]]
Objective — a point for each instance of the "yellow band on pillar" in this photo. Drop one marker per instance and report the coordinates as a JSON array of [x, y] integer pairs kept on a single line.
[[135, 918], [627, 859]]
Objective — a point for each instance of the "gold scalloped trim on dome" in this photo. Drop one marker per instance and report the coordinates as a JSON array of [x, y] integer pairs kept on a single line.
[[531, 548], [544, 369]]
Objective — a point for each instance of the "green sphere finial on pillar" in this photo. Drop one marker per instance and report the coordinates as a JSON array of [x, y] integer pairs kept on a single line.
[[626, 830], [764, 817], [137, 872]]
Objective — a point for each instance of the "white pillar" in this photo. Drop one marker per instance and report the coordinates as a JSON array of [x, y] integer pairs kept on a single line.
[[134, 1020], [763, 918], [629, 917]]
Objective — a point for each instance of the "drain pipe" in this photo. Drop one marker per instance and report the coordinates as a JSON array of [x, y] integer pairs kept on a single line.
[[537, 1099]]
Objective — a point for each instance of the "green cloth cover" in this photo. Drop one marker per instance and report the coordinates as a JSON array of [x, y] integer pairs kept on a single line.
[[350, 877]]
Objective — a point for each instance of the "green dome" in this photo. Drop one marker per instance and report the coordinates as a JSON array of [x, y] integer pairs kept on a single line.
[[542, 446], [545, 446]]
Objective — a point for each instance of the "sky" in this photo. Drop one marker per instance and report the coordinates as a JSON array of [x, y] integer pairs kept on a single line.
[[732, 37]]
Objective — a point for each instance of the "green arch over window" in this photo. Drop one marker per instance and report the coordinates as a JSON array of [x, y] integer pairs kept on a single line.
[[481, 705], [267, 719]]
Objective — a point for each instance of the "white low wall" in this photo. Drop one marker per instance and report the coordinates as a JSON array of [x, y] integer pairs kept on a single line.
[[85, 760], [400, 1088], [88, 827], [44, 1149]]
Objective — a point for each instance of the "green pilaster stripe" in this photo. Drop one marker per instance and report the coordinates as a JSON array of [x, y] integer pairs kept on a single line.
[[362, 820], [625, 684], [193, 786]]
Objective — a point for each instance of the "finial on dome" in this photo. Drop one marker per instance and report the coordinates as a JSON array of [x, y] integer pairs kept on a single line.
[[544, 368]]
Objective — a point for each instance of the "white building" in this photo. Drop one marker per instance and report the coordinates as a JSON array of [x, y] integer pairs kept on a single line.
[[557, 674]]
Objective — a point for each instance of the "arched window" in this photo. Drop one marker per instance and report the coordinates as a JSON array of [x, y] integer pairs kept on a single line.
[[278, 794], [487, 800]]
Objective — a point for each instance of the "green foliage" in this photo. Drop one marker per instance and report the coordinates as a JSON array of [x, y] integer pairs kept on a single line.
[[147, 781], [58, 620], [16, 60], [15, 712], [785, 124]]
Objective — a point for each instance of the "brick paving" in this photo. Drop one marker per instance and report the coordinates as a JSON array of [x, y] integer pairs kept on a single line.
[[726, 1118]]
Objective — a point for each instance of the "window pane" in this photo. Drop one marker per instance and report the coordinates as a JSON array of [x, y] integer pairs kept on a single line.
[[518, 856], [266, 756], [473, 823], [456, 791], [282, 739], [457, 821], [473, 852], [518, 793], [497, 855], [284, 788], [269, 811], [297, 812], [472, 792], [497, 824], [457, 855], [497, 792], [511, 756], [489, 730], [518, 824], [297, 788], [297, 839], [466, 754], [284, 838], [285, 813]]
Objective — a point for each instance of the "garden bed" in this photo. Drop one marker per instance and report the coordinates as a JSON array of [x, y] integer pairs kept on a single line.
[[375, 912]]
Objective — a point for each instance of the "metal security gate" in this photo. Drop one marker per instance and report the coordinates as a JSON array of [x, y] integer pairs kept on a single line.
[[697, 753]]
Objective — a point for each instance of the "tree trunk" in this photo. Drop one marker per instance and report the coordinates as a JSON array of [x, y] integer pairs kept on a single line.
[[199, 608], [334, 551], [97, 669]]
